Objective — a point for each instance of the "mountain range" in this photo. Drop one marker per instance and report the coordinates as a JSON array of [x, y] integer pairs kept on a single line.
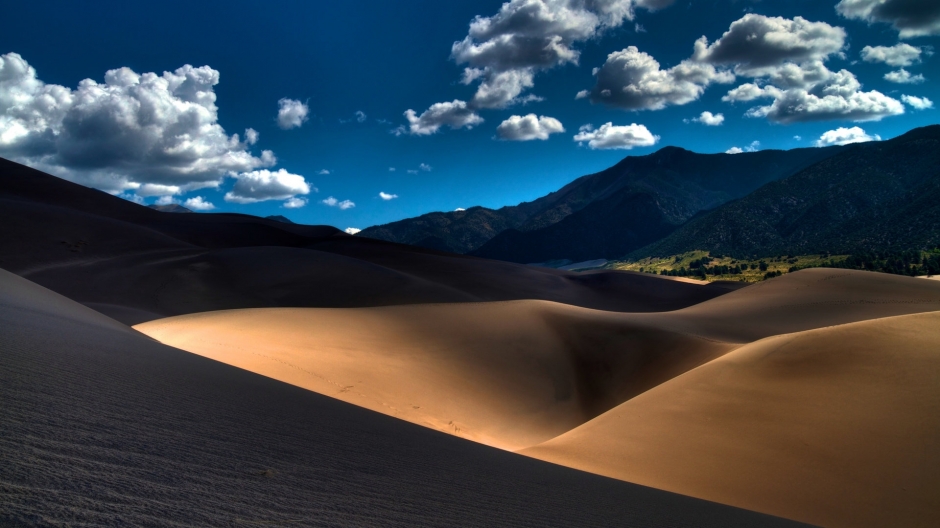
[[839, 198]]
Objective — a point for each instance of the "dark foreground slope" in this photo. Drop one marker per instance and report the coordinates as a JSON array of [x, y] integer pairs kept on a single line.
[[872, 196], [103, 426], [137, 264], [672, 183]]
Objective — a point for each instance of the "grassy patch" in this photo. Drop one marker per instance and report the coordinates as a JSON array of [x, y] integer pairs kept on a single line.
[[704, 266]]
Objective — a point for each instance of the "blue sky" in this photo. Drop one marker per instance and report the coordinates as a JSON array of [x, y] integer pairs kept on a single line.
[[382, 58]]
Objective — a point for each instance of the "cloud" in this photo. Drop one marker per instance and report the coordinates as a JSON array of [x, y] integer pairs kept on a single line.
[[291, 113], [898, 55], [391, 169], [352, 230], [412, 171], [425, 167], [360, 116], [455, 114], [457, 210], [262, 185], [911, 18], [811, 92], [753, 147], [333, 202], [386, 196], [323, 172], [710, 119], [251, 136], [918, 103], [754, 42], [609, 136], [165, 200], [132, 132], [632, 80], [505, 51], [845, 136], [903, 76], [198, 203], [295, 203], [529, 127]]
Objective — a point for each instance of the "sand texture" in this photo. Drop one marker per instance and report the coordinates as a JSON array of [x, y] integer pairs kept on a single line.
[[103, 426]]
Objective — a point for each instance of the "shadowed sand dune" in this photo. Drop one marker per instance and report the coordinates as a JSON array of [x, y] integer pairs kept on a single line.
[[137, 264], [100, 425], [838, 427]]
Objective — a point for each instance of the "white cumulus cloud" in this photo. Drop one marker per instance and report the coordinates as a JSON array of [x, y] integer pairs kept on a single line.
[[898, 55], [753, 147], [333, 202], [917, 103], [133, 132], [352, 230], [912, 18], [262, 185], [633, 80], [903, 76], [455, 114], [198, 203], [529, 127], [425, 167], [845, 136], [291, 113], [295, 202], [608, 136], [755, 42], [386, 196], [710, 119]]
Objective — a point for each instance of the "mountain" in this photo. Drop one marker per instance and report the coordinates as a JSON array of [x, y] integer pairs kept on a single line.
[[170, 208], [136, 264], [280, 218], [667, 188], [870, 197]]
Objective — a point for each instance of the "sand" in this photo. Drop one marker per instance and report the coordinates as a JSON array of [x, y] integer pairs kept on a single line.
[[535, 377], [836, 427], [507, 374], [100, 425]]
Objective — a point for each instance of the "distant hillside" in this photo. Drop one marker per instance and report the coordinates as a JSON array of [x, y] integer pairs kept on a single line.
[[871, 197], [672, 184], [170, 208], [280, 218], [643, 199]]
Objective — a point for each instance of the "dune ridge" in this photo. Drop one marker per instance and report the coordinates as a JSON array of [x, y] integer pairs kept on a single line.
[[838, 426]]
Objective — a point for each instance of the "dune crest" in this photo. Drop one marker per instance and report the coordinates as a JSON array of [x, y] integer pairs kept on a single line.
[[837, 427], [506, 374]]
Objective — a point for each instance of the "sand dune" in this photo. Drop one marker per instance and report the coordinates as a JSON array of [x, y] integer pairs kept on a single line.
[[508, 374], [514, 374], [837, 427], [100, 425]]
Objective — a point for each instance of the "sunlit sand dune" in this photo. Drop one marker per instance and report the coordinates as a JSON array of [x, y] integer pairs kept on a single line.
[[507, 374], [837, 427], [514, 374]]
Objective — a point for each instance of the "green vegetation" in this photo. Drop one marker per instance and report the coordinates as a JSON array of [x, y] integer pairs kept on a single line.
[[703, 265]]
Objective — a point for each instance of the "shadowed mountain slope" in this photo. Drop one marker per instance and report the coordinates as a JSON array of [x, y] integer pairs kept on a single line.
[[676, 182], [137, 264], [872, 196]]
